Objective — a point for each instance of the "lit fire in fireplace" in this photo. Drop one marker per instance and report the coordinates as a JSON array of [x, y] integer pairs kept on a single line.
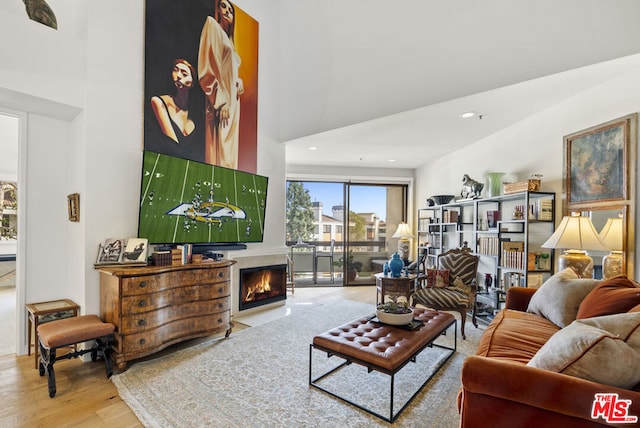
[[263, 285]]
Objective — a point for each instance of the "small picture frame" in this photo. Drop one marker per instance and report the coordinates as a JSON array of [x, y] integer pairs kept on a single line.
[[73, 205]]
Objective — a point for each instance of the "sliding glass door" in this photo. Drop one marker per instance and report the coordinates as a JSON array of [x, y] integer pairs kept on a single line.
[[340, 233], [375, 210]]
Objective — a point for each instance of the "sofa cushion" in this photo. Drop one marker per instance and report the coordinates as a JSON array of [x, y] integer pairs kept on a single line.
[[612, 296], [515, 336], [601, 349], [559, 298]]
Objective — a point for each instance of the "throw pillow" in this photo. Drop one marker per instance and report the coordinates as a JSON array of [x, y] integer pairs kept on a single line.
[[437, 278], [559, 298], [601, 349], [459, 285], [612, 296]]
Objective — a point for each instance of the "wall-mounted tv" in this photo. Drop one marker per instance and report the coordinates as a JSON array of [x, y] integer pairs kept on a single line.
[[183, 201]]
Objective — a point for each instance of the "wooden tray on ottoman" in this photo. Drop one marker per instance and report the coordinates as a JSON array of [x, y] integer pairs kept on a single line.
[[383, 348]]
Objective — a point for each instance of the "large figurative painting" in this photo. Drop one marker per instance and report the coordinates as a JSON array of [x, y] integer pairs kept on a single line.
[[598, 162], [201, 82]]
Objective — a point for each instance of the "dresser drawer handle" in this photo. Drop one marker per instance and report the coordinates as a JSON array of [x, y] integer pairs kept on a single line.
[[142, 303], [220, 305], [221, 274], [143, 341], [143, 284], [220, 290], [142, 323]]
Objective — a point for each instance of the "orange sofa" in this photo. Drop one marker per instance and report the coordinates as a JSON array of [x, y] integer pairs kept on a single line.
[[502, 388]]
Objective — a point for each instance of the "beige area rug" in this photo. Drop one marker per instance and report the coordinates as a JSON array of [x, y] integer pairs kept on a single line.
[[258, 377]]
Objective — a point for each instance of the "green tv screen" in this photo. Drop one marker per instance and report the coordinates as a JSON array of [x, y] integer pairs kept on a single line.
[[183, 201]]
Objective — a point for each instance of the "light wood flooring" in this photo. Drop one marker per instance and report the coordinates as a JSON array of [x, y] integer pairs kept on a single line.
[[85, 397]]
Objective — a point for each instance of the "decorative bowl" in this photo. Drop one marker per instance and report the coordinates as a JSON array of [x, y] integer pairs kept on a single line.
[[394, 319], [442, 199]]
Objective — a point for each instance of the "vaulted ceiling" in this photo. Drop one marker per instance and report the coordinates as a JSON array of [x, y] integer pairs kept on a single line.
[[359, 76]]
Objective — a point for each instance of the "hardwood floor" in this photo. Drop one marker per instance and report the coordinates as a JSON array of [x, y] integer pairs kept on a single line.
[[85, 397]]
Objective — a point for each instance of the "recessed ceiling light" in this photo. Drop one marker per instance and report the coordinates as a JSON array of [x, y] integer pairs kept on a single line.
[[468, 114], [313, 148], [392, 160]]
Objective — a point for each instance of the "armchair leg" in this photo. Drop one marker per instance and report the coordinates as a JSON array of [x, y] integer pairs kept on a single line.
[[463, 315], [473, 313]]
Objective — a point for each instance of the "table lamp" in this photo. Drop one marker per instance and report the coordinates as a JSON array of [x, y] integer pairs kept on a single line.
[[575, 235], [611, 236], [404, 233]]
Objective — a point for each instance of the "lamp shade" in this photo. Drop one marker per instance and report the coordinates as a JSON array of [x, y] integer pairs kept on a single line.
[[577, 233], [611, 234], [404, 231]]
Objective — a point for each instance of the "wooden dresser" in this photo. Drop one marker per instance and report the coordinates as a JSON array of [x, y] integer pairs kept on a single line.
[[153, 307]]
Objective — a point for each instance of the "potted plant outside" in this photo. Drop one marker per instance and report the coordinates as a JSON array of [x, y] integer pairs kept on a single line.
[[353, 266]]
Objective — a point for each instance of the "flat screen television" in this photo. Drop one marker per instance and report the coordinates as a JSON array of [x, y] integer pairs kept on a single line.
[[184, 201]]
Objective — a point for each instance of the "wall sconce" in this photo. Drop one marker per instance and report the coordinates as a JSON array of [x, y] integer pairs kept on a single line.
[[611, 236], [575, 235], [404, 233]]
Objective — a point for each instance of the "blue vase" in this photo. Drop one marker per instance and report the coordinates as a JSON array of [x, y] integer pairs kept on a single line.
[[395, 265]]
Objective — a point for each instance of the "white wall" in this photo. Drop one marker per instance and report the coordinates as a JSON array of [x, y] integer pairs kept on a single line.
[[534, 145], [83, 89]]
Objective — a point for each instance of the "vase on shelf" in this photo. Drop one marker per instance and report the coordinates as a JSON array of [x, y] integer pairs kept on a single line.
[[488, 281], [495, 183]]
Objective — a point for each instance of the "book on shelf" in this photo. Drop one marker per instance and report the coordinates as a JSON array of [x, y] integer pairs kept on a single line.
[[513, 254], [544, 209], [118, 252]]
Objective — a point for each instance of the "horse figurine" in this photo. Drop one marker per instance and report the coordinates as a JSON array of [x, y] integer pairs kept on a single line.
[[471, 189]]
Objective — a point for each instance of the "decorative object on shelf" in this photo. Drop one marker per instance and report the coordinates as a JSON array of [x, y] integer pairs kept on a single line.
[[404, 233], [493, 217], [395, 265], [439, 200], [488, 281], [495, 183], [518, 212], [576, 235], [531, 185], [611, 236], [544, 262], [471, 189]]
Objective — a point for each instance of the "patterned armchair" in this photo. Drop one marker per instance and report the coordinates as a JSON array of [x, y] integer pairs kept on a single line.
[[458, 293]]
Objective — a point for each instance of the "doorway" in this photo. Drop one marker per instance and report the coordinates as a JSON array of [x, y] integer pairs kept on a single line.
[[9, 149]]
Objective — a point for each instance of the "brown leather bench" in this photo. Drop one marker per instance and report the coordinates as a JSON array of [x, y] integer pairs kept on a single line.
[[69, 332], [383, 348]]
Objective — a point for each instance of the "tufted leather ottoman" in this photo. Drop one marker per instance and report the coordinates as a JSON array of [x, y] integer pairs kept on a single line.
[[383, 348]]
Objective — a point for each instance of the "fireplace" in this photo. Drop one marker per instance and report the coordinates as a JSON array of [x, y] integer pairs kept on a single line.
[[262, 285]]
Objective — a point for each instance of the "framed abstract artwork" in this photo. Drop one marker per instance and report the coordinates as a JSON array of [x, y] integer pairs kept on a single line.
[[599, 163]]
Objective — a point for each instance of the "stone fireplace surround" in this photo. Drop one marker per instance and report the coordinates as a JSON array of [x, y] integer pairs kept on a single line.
[[251, 261]]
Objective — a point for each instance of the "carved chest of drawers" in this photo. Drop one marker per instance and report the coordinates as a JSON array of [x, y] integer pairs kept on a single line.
[[154, 307]]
